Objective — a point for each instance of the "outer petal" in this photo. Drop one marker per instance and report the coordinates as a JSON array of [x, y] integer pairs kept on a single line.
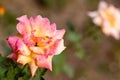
[[97, 21], [56, 48], [113, 32], [22, 48], [33, 67], [44, 62], [53, 27], [60, 47], [12, 41], [13, 56], [23, 59], [96, 18], [116, 35], [59, 34], [24, 26], [93, 14], [102, 5]]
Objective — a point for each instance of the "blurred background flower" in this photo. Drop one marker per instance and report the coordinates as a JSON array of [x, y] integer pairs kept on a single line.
[[2, 10], [108, 18]]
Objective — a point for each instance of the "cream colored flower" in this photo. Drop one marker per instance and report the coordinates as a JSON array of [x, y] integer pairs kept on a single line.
[[108, 17]]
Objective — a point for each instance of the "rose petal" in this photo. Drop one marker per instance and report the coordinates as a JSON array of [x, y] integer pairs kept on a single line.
[[56, 48], [13, 56], [23, 59], [24, 26], [59, 34], [22, 48], [42, 26], [28, 41], [12, 41], [93, 14], [33, 67], [44, 62], [102, 5], [37, 50]]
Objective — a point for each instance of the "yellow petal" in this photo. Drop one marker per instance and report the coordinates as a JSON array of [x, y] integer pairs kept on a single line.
[[22, 48], [33, 67], [23, 59]]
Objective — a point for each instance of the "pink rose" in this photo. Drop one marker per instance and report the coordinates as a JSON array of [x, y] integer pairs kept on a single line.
[[38, 42]]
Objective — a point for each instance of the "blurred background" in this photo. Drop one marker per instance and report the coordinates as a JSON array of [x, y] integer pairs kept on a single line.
[[90, 55]]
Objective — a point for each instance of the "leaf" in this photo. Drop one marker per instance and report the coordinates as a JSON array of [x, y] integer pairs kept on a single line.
[[73, 37], [17, 72], [58, 63], [46, 3], [26, 72], [104, 68], [39, 73], [1, 58], [68, 70], [80, 52], [2, 71], [70, 26], [10, 73], [38, 78], [10, 17]]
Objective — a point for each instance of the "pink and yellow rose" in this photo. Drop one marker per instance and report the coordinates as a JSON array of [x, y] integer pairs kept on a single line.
[[37, 43], [108, 17]]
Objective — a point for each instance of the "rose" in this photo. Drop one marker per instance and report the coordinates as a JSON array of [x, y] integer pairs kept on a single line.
[[37, 43], [108, 17]]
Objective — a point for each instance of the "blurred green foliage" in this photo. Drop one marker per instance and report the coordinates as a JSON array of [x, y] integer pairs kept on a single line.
[[104, 68], [58, 63], [92, 4], [93, 31], [68, 70], [8, 21], [53, 4], [75, 37], [13, 71]]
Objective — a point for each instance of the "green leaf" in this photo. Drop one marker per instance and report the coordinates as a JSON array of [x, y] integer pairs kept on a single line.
[[10, 17], [2, 71], [38, 78], [73, 37], [26, 72], [104, 67], [1, 58], [9, 69], [68, 70], [70, 26], [39, 73], [11, 73], [80, 52], [17, 72], [58, 62]]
